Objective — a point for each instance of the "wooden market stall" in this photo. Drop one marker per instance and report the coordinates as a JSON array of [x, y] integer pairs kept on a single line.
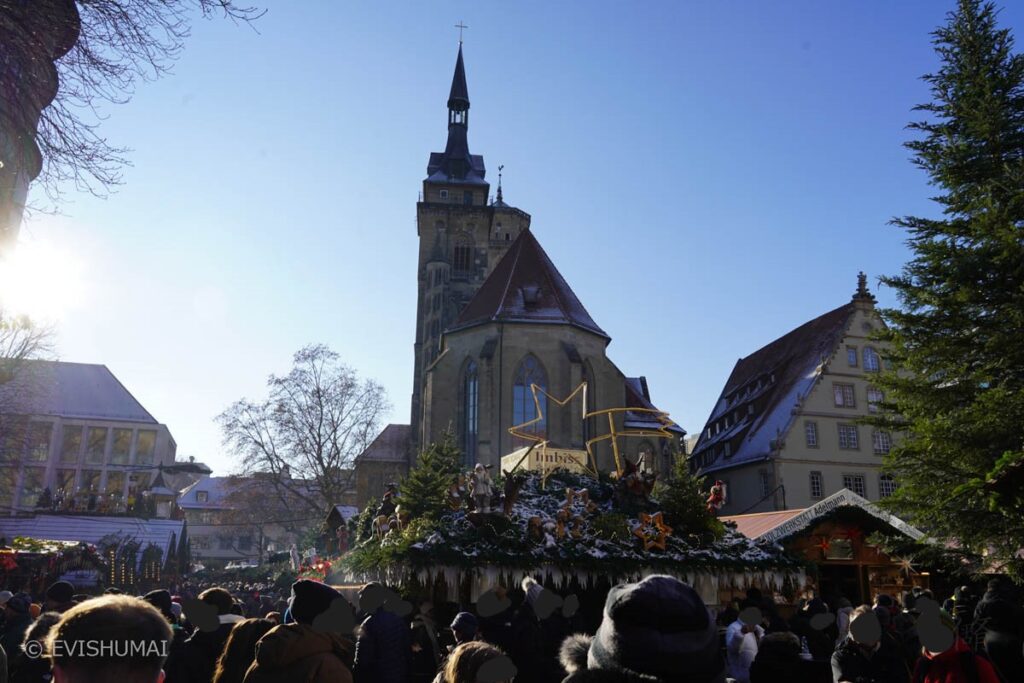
[[833, 537]]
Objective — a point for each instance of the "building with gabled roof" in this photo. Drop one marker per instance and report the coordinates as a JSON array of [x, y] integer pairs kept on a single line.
[[494, 316], [75, 429], [784, 432]]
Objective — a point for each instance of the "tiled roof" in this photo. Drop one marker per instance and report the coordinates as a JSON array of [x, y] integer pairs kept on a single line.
[[391, 445], [215, 489], [75, 390], [526, 287], [755, 525], [771, 379], [92, 529]]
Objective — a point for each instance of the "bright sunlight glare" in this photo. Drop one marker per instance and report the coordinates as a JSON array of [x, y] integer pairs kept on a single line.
[[41, 279]]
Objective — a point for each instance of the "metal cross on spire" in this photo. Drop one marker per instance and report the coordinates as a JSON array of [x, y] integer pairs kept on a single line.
[[460, 26]]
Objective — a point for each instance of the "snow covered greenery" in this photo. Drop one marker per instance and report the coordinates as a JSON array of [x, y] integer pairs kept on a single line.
[[604, 539]]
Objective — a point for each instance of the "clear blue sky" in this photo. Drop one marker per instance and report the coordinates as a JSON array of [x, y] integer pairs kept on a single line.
[[706, 176]]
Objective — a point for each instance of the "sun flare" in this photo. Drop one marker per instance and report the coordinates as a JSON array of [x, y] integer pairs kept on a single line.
[[41, 279]]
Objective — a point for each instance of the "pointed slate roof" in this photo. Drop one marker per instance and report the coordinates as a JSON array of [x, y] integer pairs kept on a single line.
[[771, 379], [458, 98], [526, 287]]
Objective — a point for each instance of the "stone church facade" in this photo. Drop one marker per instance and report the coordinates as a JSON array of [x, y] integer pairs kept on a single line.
[[495, 317]]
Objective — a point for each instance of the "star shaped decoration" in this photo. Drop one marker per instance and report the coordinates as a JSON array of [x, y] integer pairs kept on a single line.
[[906, 565], [653, 531], [542, 442], [613, 434]]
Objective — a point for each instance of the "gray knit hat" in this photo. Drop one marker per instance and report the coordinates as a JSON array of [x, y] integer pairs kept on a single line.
[[657, 627]]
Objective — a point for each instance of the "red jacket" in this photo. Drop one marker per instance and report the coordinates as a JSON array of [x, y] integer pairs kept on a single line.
[[949, 666]]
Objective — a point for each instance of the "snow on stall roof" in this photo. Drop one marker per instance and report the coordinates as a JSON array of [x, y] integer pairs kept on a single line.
[[76, 528]]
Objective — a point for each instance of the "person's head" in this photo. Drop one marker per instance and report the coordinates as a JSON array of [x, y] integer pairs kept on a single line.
[[274, 617], [310, 599], [372, 597], [657, 627], [477, 660], [883, 600], [865, 628], [779, 646], [219, 598], [161, 599], [40, 627], [465, 627], [240, 650], [130, 636], [17, 606], [59, 596]]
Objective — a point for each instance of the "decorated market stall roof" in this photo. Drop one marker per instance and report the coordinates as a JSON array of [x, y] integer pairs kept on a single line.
[[341, 513], [770, 527], [75, 528], [596, 538]]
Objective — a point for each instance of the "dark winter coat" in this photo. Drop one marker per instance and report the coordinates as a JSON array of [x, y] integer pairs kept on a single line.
[[14, 632], [769, 667], [1002, 621], [885, 665], [820, 643], [196, 660], [426, 656], [382, 649], [295, 653], [533, 645]]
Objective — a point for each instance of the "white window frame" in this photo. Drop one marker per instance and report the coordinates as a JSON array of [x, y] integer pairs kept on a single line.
[[886, 485], [844, 395], [811, 433], [850, 478], [845, 430], [872, 361], [817, 481], [881, 442]]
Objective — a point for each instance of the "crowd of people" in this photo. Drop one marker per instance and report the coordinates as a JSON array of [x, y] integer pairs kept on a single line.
[[657, 630]]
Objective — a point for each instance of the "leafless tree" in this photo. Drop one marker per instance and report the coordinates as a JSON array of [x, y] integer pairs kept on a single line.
[[304, 437], [119, 42], [265, 512], [22, 383]]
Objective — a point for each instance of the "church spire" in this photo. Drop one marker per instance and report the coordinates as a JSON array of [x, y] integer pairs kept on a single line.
[[458, 98]]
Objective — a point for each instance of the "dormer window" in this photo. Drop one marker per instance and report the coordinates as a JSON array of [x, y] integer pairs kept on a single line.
[[531, 295], [202, 496]]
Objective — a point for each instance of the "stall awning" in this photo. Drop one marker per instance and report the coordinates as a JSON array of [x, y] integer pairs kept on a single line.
[[769, 527]]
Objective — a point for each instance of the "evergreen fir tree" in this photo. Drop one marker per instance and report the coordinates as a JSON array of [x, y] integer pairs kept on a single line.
[[958, 338], [425, 491], [685, 504]]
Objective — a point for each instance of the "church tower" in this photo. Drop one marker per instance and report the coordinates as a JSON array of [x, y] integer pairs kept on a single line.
[[463, 233]]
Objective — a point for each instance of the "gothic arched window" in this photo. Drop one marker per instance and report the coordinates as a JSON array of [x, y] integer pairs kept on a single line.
[[462, 256], [523, 407], [470, 412]]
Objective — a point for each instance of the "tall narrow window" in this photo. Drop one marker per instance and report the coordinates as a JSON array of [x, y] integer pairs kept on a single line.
[[817, 489], [71, 444], [881, 441], [848, 437], [886, 485], [462, 258], [871, 361], [766, 484], [851, 356], [524, 409], [811, 432], [470, 412], [875, 396]]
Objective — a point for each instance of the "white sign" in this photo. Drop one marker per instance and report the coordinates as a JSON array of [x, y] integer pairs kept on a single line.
[[843, 497], [544, 458]]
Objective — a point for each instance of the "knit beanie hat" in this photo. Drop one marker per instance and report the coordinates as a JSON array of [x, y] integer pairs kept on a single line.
[[658, 627], [532, 589], [309, 599], [465, 623], [60, 592], [19, 603], [161, 599]]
